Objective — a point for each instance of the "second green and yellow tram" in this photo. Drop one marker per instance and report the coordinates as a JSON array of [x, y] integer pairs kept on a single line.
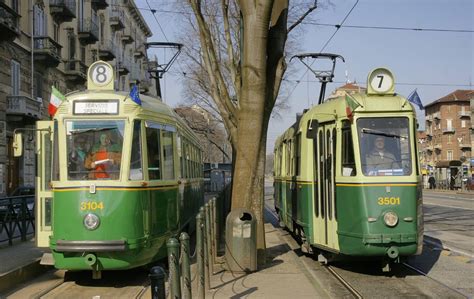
[[116, 178], [347, 176]]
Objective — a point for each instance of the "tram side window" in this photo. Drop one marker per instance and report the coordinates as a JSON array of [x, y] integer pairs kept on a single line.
[[298, 155], [348, 161], [136, 171], [153, 145], [168, 157]]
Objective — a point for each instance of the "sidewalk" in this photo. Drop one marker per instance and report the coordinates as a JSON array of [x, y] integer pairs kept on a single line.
[[19, 263], [446, 191], [283, 276]]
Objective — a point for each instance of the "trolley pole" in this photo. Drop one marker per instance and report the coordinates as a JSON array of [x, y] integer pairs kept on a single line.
[[200, 256]]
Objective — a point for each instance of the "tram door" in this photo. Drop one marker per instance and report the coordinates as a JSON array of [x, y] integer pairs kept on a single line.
[[324, 153], [44, 195]]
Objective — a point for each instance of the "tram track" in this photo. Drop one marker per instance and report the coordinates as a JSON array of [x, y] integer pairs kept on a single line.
[[351, 280], [116, 284]]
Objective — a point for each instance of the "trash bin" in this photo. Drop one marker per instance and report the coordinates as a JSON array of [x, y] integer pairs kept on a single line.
[[240, 238]]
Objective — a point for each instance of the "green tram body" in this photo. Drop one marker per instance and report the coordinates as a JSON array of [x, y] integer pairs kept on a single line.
[[138, 209], [323, 194]]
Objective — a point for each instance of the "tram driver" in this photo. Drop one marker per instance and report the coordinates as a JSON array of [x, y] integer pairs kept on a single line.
[[380, 158], [103, 159]]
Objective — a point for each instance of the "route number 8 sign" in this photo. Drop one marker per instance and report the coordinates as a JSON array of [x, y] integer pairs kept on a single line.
[[101, 74]]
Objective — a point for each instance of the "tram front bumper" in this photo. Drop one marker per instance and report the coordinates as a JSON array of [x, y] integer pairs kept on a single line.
[[90, 246]]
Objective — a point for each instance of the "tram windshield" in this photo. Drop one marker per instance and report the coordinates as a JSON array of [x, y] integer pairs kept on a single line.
[[94, 149], [385, 146]]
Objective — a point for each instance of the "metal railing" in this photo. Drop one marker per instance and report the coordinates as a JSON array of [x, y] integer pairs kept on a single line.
[[23, 105], [48, 44], [179, 258], [17, 218], [88, 25], [9, 19]]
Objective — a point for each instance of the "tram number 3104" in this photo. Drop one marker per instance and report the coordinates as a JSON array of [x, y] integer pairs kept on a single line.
[[91, 205]]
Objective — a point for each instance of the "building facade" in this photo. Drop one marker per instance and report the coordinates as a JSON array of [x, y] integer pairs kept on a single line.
[[448, 146], [46, 43]]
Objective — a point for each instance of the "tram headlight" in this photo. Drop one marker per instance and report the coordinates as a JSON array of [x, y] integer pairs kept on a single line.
[[91, 221], [390, 219]]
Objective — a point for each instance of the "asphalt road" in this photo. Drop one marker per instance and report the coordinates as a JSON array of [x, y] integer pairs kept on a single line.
[[449, 220]]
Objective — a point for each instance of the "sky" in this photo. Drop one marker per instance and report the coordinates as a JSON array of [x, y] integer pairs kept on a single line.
[[434, 62]]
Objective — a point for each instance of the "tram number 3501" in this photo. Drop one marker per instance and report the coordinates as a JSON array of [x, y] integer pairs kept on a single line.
[[388, 201]]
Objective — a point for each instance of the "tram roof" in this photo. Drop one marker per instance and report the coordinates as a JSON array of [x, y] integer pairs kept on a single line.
[[335, 108], [149, 104]]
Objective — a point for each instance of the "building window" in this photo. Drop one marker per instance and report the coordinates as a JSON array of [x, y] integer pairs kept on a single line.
[[15, 77], [15, 6], [449, 139], [40, 21], [449, 123], [449, 155], [38, 87], [83, 54], [463, 123], [55, 31]]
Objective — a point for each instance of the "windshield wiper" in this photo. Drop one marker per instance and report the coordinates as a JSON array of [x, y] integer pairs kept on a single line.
[[382, 133]]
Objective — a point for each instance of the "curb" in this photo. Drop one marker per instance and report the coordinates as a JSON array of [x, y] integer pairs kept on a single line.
[[21, 274], [438, 244]]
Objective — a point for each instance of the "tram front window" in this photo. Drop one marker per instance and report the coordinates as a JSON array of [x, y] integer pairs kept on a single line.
[[385, 146], [94, 149]]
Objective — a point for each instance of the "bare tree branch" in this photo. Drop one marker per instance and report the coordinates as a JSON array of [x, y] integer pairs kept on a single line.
[[315, 5]]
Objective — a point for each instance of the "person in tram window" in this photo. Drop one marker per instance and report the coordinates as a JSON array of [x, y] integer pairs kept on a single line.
[[104, 159], [77, 157], [380, 158]]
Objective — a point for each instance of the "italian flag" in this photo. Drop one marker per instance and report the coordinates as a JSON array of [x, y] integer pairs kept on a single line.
[[351, 105], [55, 100]]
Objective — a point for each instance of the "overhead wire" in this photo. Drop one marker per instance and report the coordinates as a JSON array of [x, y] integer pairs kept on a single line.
[[322, 49]]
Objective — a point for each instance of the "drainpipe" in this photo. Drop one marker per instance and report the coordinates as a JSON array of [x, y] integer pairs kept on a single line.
[[32, 49]]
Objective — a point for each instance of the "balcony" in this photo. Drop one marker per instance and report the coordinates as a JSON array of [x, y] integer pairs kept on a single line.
[[152, 65], [127, 37], [437, 147], [429, 118], [140, 51], [462, 114], [9, 26], [135, 74], [23, 106], [47, 51], [76, 71], [429, 148], [465, 146], [436, 116], [146, 83], [107, 50], [88, 31], [117, 20], [99, 4], [448, 130], [124, 67], [62, 10]]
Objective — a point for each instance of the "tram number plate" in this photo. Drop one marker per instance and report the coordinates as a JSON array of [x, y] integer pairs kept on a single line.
[[91, 205], [382, 201]]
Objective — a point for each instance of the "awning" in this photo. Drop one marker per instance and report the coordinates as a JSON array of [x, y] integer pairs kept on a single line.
[[447, 164]]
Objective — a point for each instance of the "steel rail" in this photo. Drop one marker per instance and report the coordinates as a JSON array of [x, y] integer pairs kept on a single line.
[[344, 282], [435, 280]]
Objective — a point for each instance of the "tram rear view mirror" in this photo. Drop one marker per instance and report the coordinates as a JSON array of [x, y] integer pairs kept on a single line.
[[312, 131], [17, 144]]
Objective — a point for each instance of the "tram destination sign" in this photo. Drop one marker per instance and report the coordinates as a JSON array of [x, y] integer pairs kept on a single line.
[[109, 107]]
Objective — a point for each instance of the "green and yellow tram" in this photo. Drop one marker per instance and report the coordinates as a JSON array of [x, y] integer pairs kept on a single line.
[[116, 178], [347, 176]]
